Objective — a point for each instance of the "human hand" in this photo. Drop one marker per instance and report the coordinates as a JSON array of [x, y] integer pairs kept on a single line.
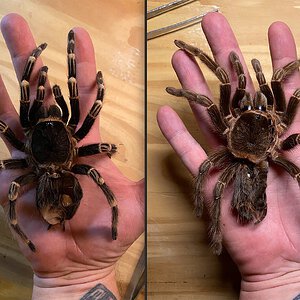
[[84, 253], [268, 253]]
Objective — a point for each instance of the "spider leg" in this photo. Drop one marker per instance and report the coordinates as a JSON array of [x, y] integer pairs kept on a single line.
[[215, 227], [93, 113], [217, 159], [225, 87], [264, 87], [212, 108], [94, 174], [290, 142], [290, 167], [13, 164], [12, 197], [276, 83], [24, 85], [92, 149], [241, 88], [11, 137], [72, 83], [289, 115], [59, 98], [40, 95]]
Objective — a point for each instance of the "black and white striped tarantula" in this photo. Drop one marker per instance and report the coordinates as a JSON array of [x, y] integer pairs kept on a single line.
[[250, 129], [50, 148]]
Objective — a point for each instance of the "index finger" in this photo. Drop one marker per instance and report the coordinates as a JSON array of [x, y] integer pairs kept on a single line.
[[222, 41], [19, 41]]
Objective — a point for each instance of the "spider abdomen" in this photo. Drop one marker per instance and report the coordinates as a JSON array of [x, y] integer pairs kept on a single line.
[[252, 136], [58, 196], [50, 142]]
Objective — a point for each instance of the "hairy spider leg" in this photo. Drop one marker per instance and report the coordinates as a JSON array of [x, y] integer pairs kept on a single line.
[[264, 87], [13, 164], [72, 83], [12, 197], [241, 88], [212, 108], [291, 110], [24, 86], [291, 168], [291, 142], [40, 95], [59, 98], [11, 137], [216, 159], [94, 112], [276, 83], [95, 175], [225, 86], [289, 113], [215, 227], [92, 149]]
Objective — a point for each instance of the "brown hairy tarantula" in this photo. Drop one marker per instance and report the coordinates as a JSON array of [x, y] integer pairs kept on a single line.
[[50, 146], [251, 129]]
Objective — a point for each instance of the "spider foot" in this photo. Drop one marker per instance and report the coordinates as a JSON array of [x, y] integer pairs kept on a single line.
[[31, 246], [114, 234], [216, 243], [114, 230], [198, 211]]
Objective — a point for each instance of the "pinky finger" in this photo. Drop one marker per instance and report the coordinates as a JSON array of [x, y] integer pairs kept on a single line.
[[187, 148]]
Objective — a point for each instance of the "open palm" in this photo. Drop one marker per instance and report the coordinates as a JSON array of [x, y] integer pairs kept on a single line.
[[85, 244], [272, 248]]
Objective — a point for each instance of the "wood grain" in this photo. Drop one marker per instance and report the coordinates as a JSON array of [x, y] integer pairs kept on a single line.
[[180, 263], [117, 32]]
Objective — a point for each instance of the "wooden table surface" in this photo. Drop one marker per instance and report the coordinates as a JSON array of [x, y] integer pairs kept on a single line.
[[180, 263], [117, 31]]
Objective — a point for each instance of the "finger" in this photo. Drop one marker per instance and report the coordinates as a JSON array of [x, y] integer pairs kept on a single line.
[[86, 75], [283, 50], [9, 115], [180, 139], [191, 77], [20, 43], [222, 41], [7, 109]]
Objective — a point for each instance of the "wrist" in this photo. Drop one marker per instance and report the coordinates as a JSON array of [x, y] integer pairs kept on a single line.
[[75, 285], [285, 286]]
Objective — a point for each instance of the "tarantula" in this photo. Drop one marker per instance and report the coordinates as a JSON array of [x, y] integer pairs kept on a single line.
[[50, 148], [251, 130]]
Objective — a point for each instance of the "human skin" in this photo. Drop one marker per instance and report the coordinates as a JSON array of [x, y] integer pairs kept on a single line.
[[267, 254], [69, 263]]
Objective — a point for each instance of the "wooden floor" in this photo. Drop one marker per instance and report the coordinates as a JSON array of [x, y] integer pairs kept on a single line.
[[180, 264], [117, 30]]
